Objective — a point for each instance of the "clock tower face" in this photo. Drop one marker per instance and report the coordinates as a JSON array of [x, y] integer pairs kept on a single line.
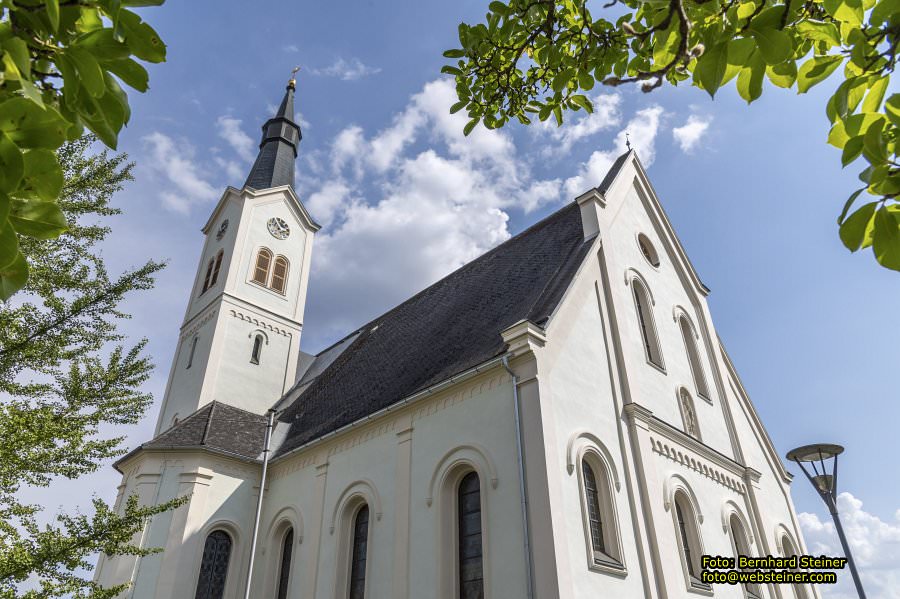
[[278, 228]]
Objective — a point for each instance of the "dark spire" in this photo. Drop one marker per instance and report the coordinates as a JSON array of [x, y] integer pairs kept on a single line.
[[278, 150]]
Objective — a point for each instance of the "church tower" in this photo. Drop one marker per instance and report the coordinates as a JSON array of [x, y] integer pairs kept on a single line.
[[240, 339]]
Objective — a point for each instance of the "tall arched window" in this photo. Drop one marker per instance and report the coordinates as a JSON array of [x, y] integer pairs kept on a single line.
[[279, 274], [688, 539], [789, 549], [648, 327], [215, 272], [257, 349], [263, 264], [688, 413], [690, 345], [600, 515], [284, 571], [193, 349], [214, 566], [471, 561], [206, 280], [359, 551], [742, 547]]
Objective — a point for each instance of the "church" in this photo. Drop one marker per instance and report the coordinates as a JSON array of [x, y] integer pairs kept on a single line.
[[556, 419]]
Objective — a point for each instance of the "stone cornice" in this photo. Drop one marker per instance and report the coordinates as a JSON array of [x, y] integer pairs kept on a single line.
[[524, 337]]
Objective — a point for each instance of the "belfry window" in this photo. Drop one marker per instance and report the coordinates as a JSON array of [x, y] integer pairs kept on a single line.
[[257, 349], [279, 274], [193, 350], [648, 327], [690, 345], [284, 571], [215, 272], [359, 551], [208, 277], [214, 566], [471, 561], [263, 265]]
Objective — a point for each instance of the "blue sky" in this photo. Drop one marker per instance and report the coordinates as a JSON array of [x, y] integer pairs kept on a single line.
[[753, 193]]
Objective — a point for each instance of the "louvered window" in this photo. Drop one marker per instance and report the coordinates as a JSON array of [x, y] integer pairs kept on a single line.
[[279, 274], [359, 554], [190, 361], [263, 264], [284, 573], [208, 277], [214, 566], [471, 565], [215, 272]]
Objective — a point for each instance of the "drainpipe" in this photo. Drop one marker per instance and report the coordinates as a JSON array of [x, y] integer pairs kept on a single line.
[[259, 501], [529, 578]]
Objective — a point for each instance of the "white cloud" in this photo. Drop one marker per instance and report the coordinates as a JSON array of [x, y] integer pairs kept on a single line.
[[229, 129], [292, 48], [346, 70], [690, 134], [875, 545], [605, 116], [175, 162]]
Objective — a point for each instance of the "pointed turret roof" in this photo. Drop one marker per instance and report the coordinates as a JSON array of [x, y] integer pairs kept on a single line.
[[281, 136]]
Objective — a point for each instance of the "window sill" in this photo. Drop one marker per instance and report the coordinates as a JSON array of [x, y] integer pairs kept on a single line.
[[268, 289], [699, 587], [705, 398], [662, 369], [608, 565]]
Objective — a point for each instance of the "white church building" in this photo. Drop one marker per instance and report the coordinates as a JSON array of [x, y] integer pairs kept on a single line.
[[556, 419]]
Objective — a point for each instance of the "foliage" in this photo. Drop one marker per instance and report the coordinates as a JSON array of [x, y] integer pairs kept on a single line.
[[60, 68], [64, 374], [538, 56]]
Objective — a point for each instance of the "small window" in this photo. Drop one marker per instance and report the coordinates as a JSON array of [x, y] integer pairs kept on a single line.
[[648, 327], [193, 349], [359, 554], [688, 414], [208, 277], [257, 349], [690, 345], [284, 571], [279, 274], [263, 264], [688, 540], [648, 250], [215, 272], [471, 564], [742, 547], [214, 566]]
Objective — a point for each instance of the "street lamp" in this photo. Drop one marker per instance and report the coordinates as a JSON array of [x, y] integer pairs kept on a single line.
[[826, 486]]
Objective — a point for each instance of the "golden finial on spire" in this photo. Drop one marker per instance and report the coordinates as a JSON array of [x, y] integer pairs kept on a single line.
[[292, 82]]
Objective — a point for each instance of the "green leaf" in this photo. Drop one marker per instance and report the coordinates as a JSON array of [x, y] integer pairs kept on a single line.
[[848, 11], [886, 241], [783, 75], [103, 45], [583, 102], [750, 80], [856, 230], [451, 70], [856, 124], [819, 31], [13, 276], [53, 13], [892, 109], [42, 220], [816, 70], [849, 203], [456, 53], [852, 149], [469, 126], [458, 106], [143, 41], [884, 11], [89, 72], [43, 178], [774, 44], [130, 72], [710, 69], [12, 165], [872, 103], [873, 144], [17, 51], [739, 52], [9, 244]]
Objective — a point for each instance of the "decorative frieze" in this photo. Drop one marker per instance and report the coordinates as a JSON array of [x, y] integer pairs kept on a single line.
[[697, 464], [259, 323]]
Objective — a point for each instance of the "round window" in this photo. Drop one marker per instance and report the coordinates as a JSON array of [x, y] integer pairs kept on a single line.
[[648, 250]]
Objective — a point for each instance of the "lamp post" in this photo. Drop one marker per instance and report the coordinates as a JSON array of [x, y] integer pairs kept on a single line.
[[825, 485]]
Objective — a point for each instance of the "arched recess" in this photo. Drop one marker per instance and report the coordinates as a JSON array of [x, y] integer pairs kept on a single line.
[[363, 491], [472, 454], [600, 518], [687, 519], [729, 509], [643, 305], [235, 576], [582, 441], [688, 410], [679, 312], [631, 274], [255, 332], [287, 519], [676, 483]]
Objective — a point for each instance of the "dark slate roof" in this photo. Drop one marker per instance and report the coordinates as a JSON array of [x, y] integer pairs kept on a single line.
[[274, 166], [218, 427], [445, 329]]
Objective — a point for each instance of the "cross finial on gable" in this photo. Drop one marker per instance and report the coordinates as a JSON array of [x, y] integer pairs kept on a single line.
[[627, 141]]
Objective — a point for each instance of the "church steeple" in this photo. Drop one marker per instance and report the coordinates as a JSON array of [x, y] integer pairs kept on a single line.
[[274, 165]]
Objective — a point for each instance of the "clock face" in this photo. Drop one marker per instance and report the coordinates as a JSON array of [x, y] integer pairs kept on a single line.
[[222, 228], [278, 228]]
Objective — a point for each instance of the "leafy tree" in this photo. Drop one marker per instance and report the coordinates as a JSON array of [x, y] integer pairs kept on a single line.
[[60, 68], [536, 57], [65, 373]]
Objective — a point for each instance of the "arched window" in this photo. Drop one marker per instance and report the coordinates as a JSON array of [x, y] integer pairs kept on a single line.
[[279, 274], [193, 349], [600, 516], [263, 264], [284, 571], [688, 413], [215, 272], [648, 327], [471, 561], [208, 277], [214, 566], [789, 550], [742, 547], [693, 354], [359, 550], [688, 539], [257, 349]]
